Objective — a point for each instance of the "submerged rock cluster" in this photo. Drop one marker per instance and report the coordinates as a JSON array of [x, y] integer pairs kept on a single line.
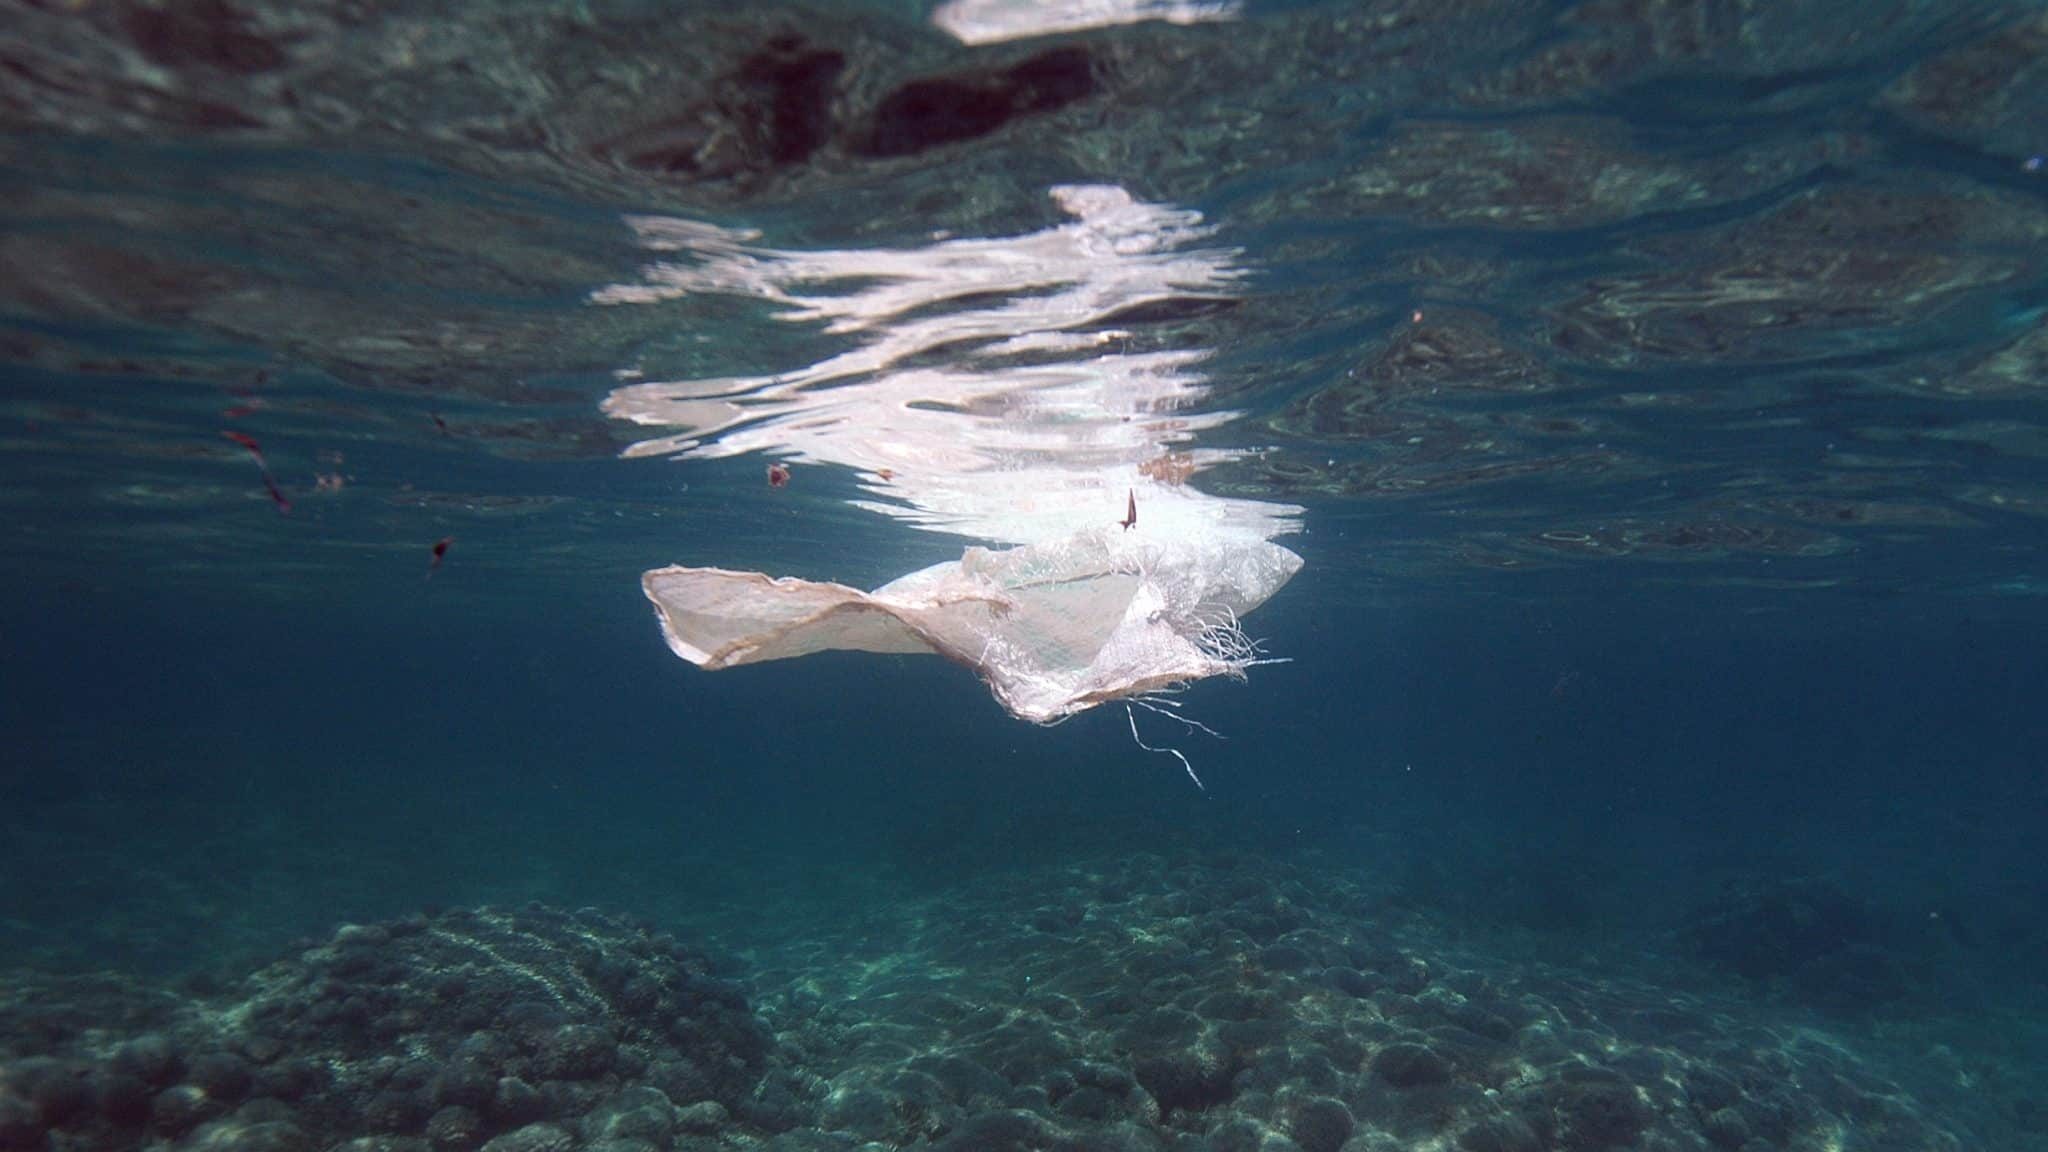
[[517, 1031], [1235, 1004], [1215, 1005]]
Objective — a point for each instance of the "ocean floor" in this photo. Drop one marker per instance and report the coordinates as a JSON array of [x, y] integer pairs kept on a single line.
[[1222, 1001]]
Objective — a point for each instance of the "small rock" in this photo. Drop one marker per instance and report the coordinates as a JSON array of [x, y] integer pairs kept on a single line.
[[1410, 1066], [1351, 982], [516, 1102], [361, 935], [224, 1075], [634, 1114], [1600, 1114], [1727, 1128], [1500, 1134], [454, 1127], [179, 1108], [232, 1135], [464, 1083], [150, 1059], [1322, 1125], [532, 1138], [576, 1052], [1409, 976], [703, 1117]]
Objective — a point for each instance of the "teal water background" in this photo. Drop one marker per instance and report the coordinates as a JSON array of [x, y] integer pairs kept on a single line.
[[1663, 388]]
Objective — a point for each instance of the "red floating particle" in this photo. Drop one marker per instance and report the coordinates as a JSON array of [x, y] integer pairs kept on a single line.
[[284, 506], [255, 450]]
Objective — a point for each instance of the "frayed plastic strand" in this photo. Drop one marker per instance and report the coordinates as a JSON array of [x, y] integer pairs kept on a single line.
[[1173, 752]]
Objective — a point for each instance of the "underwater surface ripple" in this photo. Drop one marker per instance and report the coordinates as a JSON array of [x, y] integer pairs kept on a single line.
[[1649, 395]]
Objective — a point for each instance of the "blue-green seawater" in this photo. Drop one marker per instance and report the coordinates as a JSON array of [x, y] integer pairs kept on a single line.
[[1664, 387]]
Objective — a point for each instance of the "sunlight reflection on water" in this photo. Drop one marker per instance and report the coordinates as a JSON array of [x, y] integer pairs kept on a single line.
[[990, 392]]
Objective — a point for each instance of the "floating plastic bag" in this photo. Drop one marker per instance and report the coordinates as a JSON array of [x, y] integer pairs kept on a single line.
[[1052, 628], [987, 388]]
